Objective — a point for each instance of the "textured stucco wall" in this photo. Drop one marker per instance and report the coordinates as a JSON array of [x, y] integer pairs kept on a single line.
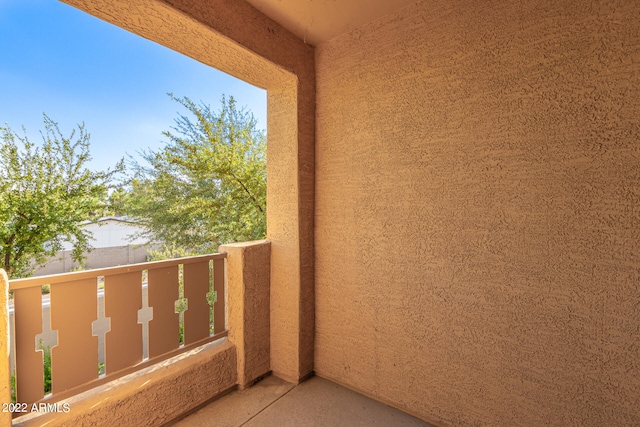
[[237, 39], [478, 212], [248, 272]]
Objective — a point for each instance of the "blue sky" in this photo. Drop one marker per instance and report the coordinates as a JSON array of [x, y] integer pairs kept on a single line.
[[58, 60]]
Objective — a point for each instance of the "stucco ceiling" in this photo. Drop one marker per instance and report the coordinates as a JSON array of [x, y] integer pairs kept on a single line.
[[315, 21]]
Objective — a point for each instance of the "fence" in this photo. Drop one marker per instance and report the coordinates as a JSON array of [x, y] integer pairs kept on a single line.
[[96, 258], [136, 315]]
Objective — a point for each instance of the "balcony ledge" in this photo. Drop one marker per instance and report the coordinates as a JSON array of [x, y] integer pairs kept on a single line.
[[152, 396]]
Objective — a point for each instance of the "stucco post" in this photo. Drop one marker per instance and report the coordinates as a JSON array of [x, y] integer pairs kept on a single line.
[[5, 373], [248, 279], [236, 38]]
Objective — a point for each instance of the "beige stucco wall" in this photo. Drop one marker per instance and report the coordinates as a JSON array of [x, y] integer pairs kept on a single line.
[[248, 308], [478, 212]]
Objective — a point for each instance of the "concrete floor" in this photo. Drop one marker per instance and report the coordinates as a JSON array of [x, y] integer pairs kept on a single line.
[[315, 402]]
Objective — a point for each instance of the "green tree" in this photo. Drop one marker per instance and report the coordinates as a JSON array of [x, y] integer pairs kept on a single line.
[[207, 185], [46, 192]]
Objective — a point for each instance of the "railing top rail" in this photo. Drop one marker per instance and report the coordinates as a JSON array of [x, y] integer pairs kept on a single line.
[[108, 271]]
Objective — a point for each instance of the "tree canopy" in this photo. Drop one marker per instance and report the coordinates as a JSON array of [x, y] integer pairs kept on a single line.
[[207, 185], [46, 193]]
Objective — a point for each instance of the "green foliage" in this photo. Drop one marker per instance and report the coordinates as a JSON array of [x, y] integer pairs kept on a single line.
[[46, 350], [13, 388], [46, 356], [114, 205], [181, 329], [182, 303], [207, 186], [168, 251], [46, 192]]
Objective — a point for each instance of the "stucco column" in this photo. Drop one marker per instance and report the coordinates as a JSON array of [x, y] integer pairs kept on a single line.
[[248, 278], [5, 373], [236, 38]]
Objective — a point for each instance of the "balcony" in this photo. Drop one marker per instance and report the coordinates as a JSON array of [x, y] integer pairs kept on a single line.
[[145, 341], [148, 344], [453, 211]]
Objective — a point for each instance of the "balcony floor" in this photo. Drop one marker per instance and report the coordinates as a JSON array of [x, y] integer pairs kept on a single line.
[[315, 402]]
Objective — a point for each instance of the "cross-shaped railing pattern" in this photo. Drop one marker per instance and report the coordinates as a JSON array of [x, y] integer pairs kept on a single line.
[[119, 319]]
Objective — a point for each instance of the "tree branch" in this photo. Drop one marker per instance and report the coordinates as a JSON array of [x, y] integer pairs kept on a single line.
[[255, 202], [7, 254]]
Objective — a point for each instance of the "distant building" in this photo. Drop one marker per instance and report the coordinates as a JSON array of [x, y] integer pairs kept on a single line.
[[112, 231], [114, 243]]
